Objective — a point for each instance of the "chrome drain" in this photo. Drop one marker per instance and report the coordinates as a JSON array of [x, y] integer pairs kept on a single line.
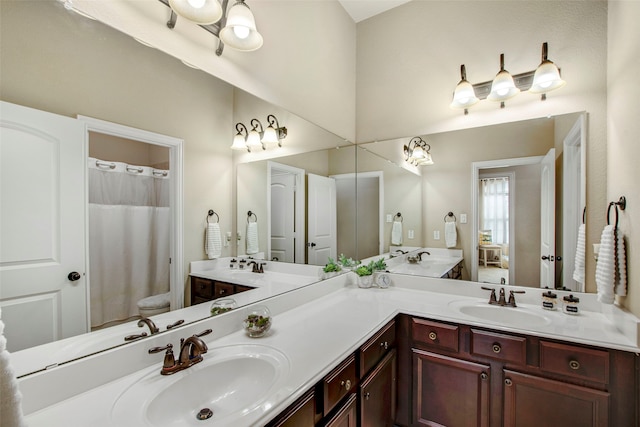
[[204, 414]]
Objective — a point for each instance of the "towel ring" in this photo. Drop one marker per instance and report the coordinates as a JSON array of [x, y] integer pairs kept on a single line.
[[251, 214], [450, 214], [584, 215], [622, 202], [212, 213], [399, 215]]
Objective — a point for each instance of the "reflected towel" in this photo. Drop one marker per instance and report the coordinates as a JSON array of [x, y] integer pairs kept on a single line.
[[213, 241], [252, 238], [578, 272], [396, 233], [605, 267], [10, 409], [620, 281], [450, 234]]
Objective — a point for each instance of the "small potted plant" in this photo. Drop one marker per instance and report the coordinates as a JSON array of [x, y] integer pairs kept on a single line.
[[365, 275], [347, 263], [331, 268]]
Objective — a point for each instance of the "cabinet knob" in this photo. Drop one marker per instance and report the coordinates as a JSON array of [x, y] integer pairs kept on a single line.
[[367, 396], [508, 382], [496, 348], [384, 345], [574, 364], [222, 291], [484, 376], [433, 336], [346, 384]]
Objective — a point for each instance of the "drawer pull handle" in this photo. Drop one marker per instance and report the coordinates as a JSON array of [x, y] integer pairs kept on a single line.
[[433, 336], [484, 376], [508, 382], [574, 364], [384, 345], [496, 348], [367, 396], [222, 291], [346, 384]]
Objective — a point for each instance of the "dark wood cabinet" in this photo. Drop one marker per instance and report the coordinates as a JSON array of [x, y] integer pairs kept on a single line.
[[301, 414], [203, 290], [449, 391], [378, 394], [347, 416]]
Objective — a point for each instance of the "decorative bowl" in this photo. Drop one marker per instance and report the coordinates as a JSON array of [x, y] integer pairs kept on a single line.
[[258, 321]]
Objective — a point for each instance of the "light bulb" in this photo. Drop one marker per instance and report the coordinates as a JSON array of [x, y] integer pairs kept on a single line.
[[241, 32]]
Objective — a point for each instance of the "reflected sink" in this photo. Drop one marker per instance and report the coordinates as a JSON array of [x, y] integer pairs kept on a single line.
[[232, 382], [514, 316]]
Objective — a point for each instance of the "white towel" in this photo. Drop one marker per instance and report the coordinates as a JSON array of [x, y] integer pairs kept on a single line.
[[213, 240], [450, 234], [605, 267], [252, 238], [620, 281], [396, 233], [578, 272], [10, 409]]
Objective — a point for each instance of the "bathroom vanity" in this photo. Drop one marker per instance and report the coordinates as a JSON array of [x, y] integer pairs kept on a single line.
[[423, 351]]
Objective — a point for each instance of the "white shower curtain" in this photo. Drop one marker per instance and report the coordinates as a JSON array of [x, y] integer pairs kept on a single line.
[[494, 211], [128, 238]]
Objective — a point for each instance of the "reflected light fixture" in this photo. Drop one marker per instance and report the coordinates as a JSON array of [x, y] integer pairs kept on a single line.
[[464, 96], [503, 86], [547, 76], [235, 28], [258, 136], [417, 152]]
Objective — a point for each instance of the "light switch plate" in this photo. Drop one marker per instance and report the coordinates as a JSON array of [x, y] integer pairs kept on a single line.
[[436, 234], [410, 234], [463, 218], [389, 218]]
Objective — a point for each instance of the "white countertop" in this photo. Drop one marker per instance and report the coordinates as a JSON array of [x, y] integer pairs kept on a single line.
[[318, 326]]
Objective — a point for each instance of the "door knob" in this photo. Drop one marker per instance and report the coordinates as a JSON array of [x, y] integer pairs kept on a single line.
[[73, 276], [549, 257], [311, 245]]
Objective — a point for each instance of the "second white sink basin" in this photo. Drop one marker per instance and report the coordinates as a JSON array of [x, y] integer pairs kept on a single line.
[[231, 382], [515, 316]]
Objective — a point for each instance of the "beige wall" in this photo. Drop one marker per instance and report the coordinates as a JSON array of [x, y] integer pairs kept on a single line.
[[116, 149], [623, 131]]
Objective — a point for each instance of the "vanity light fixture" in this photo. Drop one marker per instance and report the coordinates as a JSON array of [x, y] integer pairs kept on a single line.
[[505, 86], [417, 152], [258, 136], [235, 28]]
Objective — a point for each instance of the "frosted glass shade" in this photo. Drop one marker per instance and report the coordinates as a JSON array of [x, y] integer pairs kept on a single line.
[[270, 136], [203, 12], [253, 140], [464, 95], [240, 30], [503, 87], [546, 78], [426, 161], [239, 142]]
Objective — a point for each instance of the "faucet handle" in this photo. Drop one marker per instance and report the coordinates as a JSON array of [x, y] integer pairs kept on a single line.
[[203, 333], [512, 298], [492, 298], [176, 323], [169, 360]]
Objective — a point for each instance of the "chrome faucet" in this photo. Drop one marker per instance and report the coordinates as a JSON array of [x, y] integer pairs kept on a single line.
[[152, 326], [257, 267], [191, 351], [422, 253], [501, 300]]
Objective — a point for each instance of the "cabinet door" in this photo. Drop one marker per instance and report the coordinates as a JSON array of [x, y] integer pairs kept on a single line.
[[534, 401], [347, 416], [449, 391], [223, 289], [301, 414], [378, 394]]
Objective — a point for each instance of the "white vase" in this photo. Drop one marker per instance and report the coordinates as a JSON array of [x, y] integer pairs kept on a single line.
[[365, 281]]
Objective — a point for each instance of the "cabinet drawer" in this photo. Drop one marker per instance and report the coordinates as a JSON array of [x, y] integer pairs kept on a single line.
[[508, 348], [223, 290], [340, 382], [374, 350], [201, 288], [242, 288], [574, 361], [435, 334]]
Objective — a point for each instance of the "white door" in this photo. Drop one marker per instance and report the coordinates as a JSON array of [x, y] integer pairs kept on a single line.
[[282, 216], [547, 220], [42, 223], [321, 240]]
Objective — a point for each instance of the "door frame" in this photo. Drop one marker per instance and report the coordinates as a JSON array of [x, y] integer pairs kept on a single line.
[[175, 146], [475, 188], [299, 207]]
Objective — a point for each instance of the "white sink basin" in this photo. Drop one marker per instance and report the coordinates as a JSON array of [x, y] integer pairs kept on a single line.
[[232, 382], [514, 316]]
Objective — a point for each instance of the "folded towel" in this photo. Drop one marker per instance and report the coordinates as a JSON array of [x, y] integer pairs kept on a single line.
[[450, 234], [396, 233], [10, 409], [578, 272], [213, 240], [252, 238], [620, 281], [606, 266]]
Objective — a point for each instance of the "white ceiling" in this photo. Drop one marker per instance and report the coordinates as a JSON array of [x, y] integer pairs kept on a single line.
[[363, 9]]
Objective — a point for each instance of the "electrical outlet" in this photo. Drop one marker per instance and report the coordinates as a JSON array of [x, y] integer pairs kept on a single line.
[[410, 234], [436, 234], [389, 218], [463, 218]]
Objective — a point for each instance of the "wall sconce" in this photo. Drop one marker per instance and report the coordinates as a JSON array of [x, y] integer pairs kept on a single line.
[[505, 86], [236, 28], [417, 153], [258, 136]]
